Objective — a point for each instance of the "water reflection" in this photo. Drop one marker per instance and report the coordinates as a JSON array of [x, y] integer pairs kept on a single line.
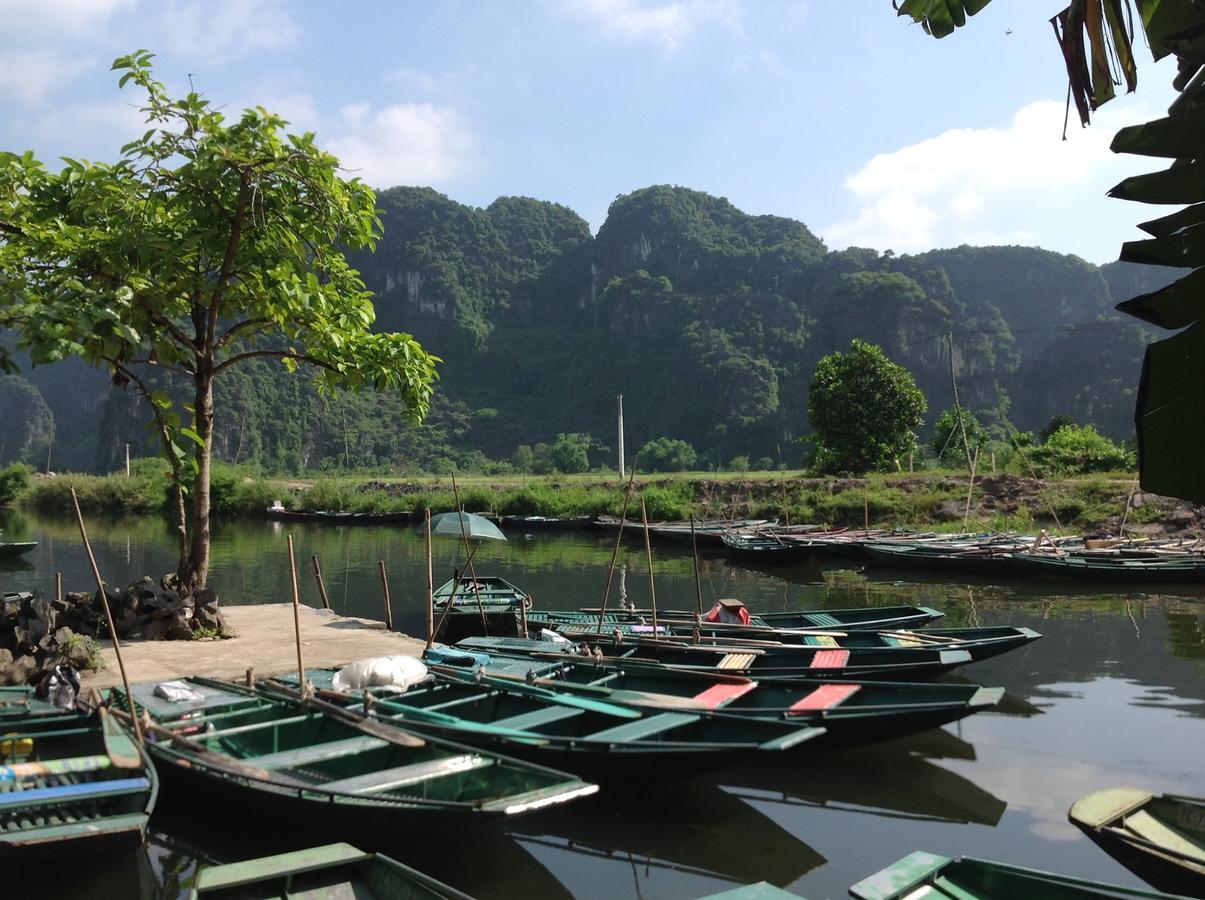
[[1112, 695]]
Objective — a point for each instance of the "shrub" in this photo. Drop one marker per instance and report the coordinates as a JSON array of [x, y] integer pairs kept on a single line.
[[667, 455], [14, 481], [1081, 449]]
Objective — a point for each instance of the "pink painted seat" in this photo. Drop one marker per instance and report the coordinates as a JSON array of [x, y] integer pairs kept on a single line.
[[722, 694], [824, 697], [830, 659]]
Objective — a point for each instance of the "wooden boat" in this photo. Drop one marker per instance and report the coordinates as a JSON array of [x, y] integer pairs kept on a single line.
[[707, 534], [308, 761], [1159, 838], [974, 559], [831, 654], [753, 546], [1154, 569], [13, 549], [336, 517], [862, 618], [485, 604], [72, 784], [761, 890], [936, 877], [603, 741], [327, 871], [850, 712], [544, 523]]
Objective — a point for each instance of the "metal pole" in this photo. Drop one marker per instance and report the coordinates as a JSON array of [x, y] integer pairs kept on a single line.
[[469, 557], [326, 603], [430, 585], [104, 599], [621, 473], [694, 547], [385, 590], [296, 619]]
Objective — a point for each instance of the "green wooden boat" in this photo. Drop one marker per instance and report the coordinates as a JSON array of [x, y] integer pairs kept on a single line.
[[1161, 839], [332, 870], [600, 740], [72, 784], [1153, 569], [867, 618], [485, 604], [13, 549], [761, 890], [932, 877], [311, 762], [767, 549], [850, 712]]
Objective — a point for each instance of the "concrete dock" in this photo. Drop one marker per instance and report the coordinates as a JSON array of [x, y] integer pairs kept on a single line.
[[264, 641]]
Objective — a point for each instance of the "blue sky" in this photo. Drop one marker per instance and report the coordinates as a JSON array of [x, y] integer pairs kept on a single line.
[[833, 112]]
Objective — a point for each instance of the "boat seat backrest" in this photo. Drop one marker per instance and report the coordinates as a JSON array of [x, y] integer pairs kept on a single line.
[[401, 776], [539, 717]]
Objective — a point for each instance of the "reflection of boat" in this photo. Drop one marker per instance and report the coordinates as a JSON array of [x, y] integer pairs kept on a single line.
[[650, 835], [936, 877], [1161, 839], [329, 870], [878, 781]]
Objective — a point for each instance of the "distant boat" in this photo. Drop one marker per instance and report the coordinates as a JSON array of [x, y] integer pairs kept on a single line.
[[278, 511], [1159, 838], [936, 877], [328, 871], [13, 549], [1116, 568]]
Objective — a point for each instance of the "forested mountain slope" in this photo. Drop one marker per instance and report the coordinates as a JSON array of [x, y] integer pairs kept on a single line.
[[708, 320]]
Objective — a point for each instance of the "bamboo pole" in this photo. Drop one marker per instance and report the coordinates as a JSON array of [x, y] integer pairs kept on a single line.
[[326, 603], [623, 518], [301, 686], [58, 587], [385, 591], [447, 606], [648, 552], [469, 557], [104, 599], [970, 489], [694, 549], [430, 583]]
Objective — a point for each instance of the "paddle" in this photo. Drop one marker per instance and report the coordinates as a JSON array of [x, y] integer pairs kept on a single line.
[[554, 696], [120, 749]]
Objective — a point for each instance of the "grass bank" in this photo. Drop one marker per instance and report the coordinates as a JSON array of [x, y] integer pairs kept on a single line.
[[929, 500]]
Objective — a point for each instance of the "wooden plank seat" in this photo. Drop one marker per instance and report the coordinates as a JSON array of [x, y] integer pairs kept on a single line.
[[823, 620], [722, 694], [1151, 829], [736, 661], [538, 717], [401, 776], [304, 756], [830, 659], [69, 793], [824, 697], [821, 640], [647, 726]]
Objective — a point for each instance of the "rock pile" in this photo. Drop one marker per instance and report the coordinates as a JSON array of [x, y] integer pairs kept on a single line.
[[36, 633]]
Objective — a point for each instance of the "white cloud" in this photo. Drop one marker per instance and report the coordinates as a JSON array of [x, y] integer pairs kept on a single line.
[[29, 76], [666, 23], [1018, 184], [40, 18], [411, 143], [219, 31], [94, 131]]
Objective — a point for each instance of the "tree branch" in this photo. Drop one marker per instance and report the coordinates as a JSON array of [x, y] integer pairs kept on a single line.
[[278, 354], [252, 324], [236, 230]]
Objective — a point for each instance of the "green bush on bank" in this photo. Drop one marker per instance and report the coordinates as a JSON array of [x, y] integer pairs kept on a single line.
[[14, 481]]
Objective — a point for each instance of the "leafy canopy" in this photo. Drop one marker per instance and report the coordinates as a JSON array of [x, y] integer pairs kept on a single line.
[[208, 243], [667, 455], [863, 408]]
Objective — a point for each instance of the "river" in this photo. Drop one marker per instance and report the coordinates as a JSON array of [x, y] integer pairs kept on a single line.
[[1112, 695]]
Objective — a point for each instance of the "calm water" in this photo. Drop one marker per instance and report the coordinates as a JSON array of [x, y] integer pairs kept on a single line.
[[1112, 695]]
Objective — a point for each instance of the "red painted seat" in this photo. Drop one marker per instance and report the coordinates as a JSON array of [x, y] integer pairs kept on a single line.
[[830, 659], [824, 697], [721, 694]]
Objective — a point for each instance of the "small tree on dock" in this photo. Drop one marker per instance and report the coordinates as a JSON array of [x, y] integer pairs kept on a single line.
[[208, 244]]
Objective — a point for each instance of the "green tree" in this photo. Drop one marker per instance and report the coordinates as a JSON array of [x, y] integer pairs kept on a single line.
[[570, 453], [1076, 449], [1055, 424], [210, 243], [863, 408], [667, 455], [947, 436]]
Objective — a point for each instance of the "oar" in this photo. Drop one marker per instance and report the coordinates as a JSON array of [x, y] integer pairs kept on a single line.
[[553, 696]]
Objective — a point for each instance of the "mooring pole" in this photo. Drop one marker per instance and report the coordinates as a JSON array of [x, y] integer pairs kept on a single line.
[[326, 603]]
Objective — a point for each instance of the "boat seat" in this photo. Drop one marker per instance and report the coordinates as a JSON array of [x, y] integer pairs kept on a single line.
[[722, 694], [823, 620], [821, 640], [304, 756], [824, 697], [68, 793], [903, 641], [401, 776], [736, 661], [830, 659], [1151, 829], [537, 717], [642, 728]]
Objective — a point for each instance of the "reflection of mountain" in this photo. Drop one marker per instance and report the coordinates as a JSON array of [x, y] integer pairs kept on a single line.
[[691, 828], [878, 781]]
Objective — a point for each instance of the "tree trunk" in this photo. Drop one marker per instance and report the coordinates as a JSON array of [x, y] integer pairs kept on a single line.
[[198, 556]]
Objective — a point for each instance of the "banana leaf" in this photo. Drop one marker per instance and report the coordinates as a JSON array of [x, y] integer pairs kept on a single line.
[[1185, 250], [1170, 417], [1167, 225], [1181, 183], [939, 17], [1175, 137], [1176, 306]]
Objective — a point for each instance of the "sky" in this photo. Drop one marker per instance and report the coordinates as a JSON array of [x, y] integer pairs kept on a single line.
[[839, 114]]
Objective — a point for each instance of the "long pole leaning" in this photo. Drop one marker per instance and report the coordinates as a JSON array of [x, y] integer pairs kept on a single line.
[[694, 549], [104, 599], [648, 553], [623, 518], [301, 686], [430, 585], [385, 591], [469, 556], [326, 603]]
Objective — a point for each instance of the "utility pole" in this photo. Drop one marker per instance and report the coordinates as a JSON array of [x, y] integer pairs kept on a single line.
[[621, 474]]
